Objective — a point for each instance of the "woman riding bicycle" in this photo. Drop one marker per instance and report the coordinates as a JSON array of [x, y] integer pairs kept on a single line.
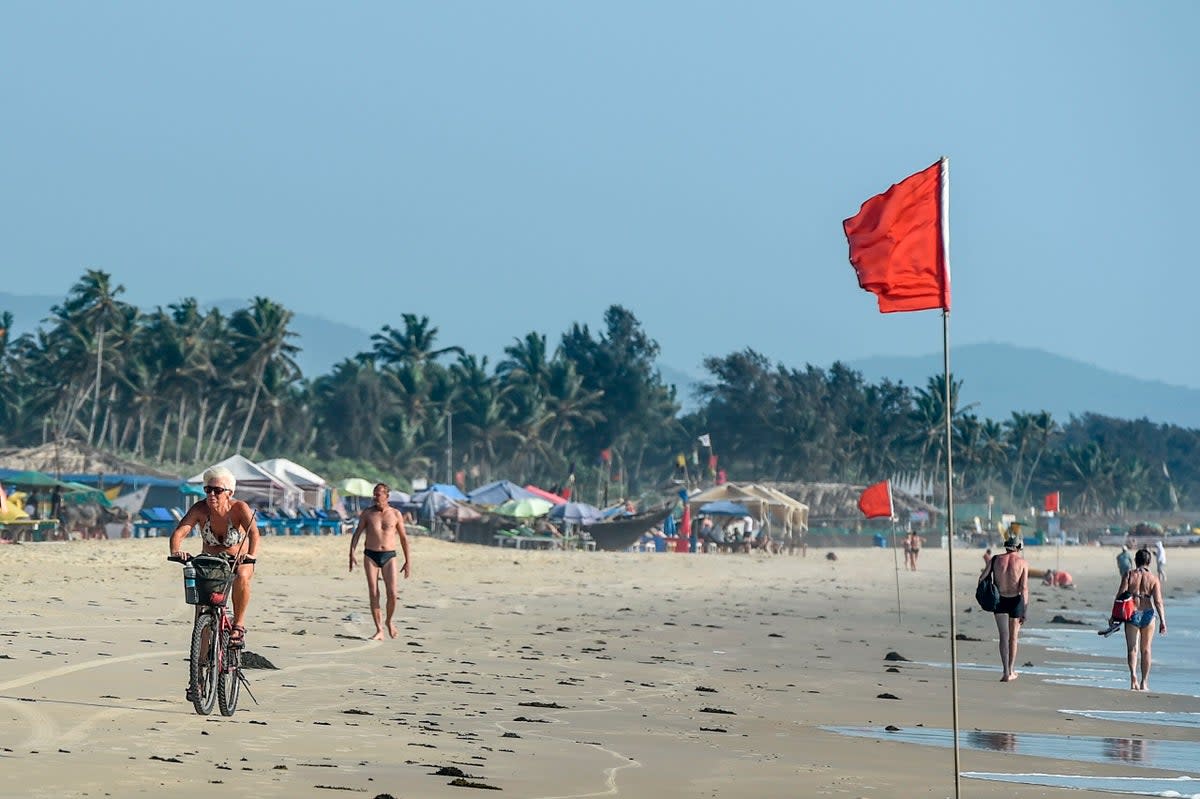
[[227, 527]]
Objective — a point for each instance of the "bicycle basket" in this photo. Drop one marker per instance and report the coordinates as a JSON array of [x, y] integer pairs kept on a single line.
[[213, 577]]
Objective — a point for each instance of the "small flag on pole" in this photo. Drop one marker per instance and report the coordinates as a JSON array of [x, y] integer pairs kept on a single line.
[[1051, 504], [876, 501], [896, 244], [705, 441]]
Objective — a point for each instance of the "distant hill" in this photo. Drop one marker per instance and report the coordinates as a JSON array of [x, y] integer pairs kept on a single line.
[[1002, 378]]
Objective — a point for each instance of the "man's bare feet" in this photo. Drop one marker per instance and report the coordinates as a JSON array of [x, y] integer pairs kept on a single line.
[[378, 636], [392, 630], [1009, 677]]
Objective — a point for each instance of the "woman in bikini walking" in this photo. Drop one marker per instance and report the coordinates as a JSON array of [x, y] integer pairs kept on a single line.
[[227, 527], [1139, 630]]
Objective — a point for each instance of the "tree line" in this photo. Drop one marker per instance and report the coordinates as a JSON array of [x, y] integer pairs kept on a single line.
[[181, 386]]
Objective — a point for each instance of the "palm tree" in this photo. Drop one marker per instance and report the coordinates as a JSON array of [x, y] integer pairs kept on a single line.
[[260, 337], [92, 304], [411, 346], [929, 416]]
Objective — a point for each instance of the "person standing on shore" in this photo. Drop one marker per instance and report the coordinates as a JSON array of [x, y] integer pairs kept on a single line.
[[1124, 560], [1160, 560], [1139, 630], [912, 550], [1011, 573], [383, 525]]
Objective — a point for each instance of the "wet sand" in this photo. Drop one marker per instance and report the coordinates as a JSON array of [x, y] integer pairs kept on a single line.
[[544, 674]]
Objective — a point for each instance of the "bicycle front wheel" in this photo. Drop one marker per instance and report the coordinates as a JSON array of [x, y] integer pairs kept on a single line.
[[204, 666], [229, 681]]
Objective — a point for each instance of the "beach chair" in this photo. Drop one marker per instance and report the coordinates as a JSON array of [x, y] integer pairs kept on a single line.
[[153, 521]]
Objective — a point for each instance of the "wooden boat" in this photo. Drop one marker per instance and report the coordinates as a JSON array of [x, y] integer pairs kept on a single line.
[[615, 535]]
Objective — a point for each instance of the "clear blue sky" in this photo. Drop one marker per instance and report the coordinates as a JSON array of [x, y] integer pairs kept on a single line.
[[506, 167]]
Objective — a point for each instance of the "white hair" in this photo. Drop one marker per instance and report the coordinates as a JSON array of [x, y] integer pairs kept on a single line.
[[221, 475]]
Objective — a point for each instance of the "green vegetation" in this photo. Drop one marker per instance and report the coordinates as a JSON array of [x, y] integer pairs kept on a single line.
[[179, 388]]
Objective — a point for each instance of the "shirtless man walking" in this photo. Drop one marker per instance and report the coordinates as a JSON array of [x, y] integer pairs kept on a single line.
[[383, 524], [1011, 573]]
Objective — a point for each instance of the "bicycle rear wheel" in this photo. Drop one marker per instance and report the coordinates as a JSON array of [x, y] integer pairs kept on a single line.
[[229, 681], [203, 669]]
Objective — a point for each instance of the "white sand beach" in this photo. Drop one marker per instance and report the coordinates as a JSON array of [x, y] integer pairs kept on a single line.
[[544, 674]]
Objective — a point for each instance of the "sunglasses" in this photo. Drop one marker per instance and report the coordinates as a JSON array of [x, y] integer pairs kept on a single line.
[[218, 490]]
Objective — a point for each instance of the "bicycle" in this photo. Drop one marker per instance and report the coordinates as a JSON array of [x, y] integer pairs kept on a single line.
[[215, 669]]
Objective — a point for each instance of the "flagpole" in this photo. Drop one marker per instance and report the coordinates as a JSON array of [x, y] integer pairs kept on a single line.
[[896, 560], [945, 201]]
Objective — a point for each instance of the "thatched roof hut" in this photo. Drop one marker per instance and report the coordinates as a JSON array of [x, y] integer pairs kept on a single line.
[[73, 457]]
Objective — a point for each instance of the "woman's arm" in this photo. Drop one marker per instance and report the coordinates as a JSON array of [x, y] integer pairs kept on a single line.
[[1158, 605], [251, 527], [185, 526]]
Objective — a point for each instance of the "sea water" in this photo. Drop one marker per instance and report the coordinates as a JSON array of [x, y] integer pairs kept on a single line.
[[1176, 667], [1176, 670]]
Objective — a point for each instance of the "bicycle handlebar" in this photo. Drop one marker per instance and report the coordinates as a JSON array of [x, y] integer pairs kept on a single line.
[[183, 559]]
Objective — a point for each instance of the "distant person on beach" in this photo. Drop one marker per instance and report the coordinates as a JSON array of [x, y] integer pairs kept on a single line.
[[912, 550], [1124, 560], [383, 525], [227, 527], [1160, 560], [1058, 578], [1011, 573], [1139, 630]]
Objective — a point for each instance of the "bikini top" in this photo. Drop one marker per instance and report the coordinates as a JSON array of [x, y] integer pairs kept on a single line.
[[232, 538], [1141, 596]]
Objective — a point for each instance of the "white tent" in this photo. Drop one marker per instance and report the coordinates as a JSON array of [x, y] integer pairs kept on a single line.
[[254, 482], [312, 485]]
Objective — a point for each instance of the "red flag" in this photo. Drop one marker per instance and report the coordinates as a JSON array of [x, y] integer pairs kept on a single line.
[[1051, 504], [896, 244], [876, 501], [683, 544]]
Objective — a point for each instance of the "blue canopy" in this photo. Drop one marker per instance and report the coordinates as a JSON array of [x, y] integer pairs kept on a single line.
[[723, 507], [497, 493], [446, 490]]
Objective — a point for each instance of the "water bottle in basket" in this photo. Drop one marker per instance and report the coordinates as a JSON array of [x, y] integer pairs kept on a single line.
[[190, 595]]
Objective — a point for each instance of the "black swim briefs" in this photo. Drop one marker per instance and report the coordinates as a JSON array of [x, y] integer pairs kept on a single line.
[[380, 557]]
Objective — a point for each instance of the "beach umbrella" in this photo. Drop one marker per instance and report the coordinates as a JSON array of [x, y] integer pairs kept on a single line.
[[397, 497], [33, 480], [78, 492], [724, 507], [430, 503], [524, 508], [356, 487], [575, 513]]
